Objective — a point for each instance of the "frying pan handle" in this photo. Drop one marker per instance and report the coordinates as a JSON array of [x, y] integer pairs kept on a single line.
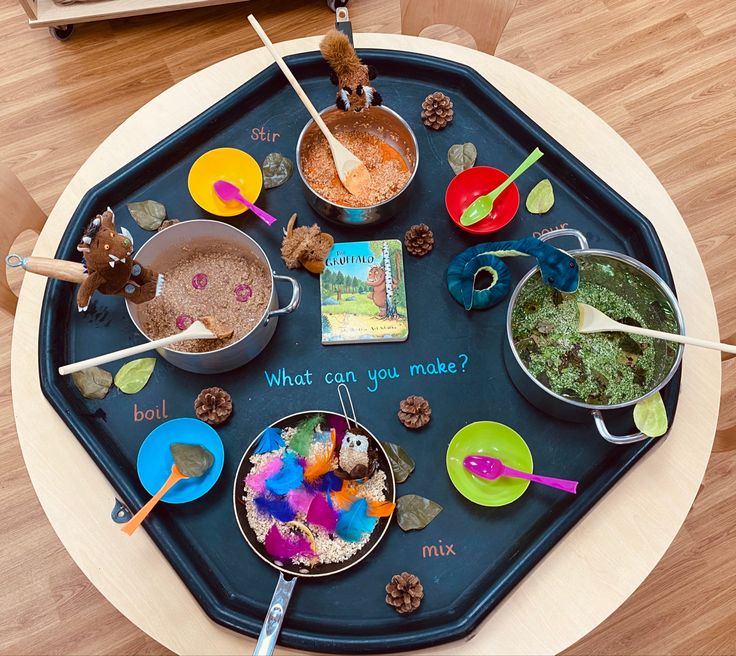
[[275, 617], [567, 232], [615, 439], [343, 24]]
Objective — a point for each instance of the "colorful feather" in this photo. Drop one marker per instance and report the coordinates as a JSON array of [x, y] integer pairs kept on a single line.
[[380, 508], [278, 508], [346, 495], [322, 463], [283, 548], [302, 439], [300, 498], [270, 440], [321, 513], [257, 481], [289, 477], [340, 425], [355, 522], [328, 483]]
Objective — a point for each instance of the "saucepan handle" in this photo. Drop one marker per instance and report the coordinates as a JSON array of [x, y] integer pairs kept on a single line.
[[343, 24], [567, 232], [615, 439], [275, 616], [296, 297]]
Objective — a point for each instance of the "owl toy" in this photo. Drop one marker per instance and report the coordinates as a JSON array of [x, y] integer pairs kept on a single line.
[[356, 458]]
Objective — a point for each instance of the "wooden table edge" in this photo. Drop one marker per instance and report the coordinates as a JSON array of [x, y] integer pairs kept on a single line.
[[579, 583]]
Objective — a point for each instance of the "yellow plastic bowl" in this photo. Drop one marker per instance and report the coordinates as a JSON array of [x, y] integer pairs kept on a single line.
[[229, 164]]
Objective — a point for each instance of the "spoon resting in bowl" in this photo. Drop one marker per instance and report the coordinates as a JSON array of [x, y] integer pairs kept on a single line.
[[227, 191], [493, 468], [592, 320]]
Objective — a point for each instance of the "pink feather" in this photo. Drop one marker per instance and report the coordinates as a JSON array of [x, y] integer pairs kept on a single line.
[[257, 481], [340, 426], [282, 548], [300, 499], [321, 513]]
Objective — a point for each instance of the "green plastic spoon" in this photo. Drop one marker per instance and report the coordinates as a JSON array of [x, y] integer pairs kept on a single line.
[[481, 207]]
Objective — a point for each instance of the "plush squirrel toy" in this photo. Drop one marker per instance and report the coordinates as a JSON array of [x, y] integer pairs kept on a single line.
[[109, 265], [350, 74]]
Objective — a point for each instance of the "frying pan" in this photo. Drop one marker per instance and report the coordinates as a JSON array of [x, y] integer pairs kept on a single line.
[[289, 572]]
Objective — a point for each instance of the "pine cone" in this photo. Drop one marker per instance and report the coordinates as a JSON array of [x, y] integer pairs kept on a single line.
[[437, 110], [166, 223], [419, 239], [414, 412], [405, 592], [213, 405]]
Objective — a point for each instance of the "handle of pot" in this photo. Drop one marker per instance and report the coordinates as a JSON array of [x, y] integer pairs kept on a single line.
[[343, 24], [567, 232], [275, 616], [615, 439], [296, 297]]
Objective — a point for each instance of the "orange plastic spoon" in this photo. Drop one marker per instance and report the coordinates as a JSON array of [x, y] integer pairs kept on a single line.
[[135, 521]]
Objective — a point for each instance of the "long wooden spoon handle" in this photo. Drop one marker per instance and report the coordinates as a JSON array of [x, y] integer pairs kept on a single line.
[[290, 76], [135, 521], [681, 339], [45, 266]]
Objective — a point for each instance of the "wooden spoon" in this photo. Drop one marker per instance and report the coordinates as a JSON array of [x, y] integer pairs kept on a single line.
[[135, 521], [352, 172], [591, 320], [205, 328]]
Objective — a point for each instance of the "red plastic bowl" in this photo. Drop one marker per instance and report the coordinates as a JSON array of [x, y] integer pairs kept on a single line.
[[467, 185]]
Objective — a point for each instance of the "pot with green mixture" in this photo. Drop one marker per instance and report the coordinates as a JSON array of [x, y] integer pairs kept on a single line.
[[573, 376]]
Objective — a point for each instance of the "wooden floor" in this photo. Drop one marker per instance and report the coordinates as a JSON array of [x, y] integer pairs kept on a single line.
[[661, 72]]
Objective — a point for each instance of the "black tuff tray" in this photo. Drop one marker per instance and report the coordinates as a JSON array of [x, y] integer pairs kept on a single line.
[[469, 557]]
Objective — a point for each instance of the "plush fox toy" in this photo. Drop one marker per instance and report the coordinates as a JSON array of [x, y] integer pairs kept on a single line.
[[109, 265], [350, 74]]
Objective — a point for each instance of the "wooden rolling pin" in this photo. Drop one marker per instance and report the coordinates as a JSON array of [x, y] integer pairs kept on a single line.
[[46, 266]]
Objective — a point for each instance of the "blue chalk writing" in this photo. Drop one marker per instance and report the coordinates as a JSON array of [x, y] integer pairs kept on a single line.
[[376, 375], [338, 377], [437, 367], [282, 379]]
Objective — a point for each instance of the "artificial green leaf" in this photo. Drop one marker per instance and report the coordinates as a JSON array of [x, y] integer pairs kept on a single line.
[[93, 383], [191, 459], [133, 376], [461, 156], [277, 169], [402, 463], [148, 214], [650, 416], [541, 199], [414, 512]]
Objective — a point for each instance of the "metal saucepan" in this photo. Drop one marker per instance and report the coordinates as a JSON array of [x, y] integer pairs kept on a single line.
[[165, 248], [634, 282], [386, 124], [285, 586]]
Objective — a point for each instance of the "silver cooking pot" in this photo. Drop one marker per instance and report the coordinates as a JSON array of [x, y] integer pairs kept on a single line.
[[636, 283], [165, 248], [386, 124]]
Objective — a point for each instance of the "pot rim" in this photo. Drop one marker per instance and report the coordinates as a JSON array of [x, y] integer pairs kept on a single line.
[[655, 277], [309, 123], [259, 323]]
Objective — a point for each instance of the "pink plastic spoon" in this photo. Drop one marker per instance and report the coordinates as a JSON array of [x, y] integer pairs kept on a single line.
[[227, 191], [492, 468]]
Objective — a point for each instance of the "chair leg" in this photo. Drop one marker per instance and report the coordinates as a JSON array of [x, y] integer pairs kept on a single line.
[[725, 439]]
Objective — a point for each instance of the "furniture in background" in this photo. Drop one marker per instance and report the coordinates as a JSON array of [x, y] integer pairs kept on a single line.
[[484, 20], [20, 213]]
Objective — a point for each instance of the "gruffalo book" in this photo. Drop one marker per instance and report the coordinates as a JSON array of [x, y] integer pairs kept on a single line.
[[363, 293]]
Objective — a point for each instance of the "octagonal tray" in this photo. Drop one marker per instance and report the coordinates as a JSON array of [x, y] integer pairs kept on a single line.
[[470, 556]]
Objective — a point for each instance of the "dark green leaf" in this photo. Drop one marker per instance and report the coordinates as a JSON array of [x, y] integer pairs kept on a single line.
[[277, 169], [401, 462], [191, 459], [541, 198], [148, 214], [461, 156], [133, 376], [414, 512], [93, 383]]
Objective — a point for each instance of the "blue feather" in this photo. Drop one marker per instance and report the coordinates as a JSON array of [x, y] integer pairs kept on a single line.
[[289, 477], [277, 508], [270, 441], [325, 483], [354, 522]]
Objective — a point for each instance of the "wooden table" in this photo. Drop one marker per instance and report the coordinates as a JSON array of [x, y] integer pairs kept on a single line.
[[593, 569]]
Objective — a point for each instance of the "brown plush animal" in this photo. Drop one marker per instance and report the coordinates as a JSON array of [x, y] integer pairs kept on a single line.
[[350, 74], [110, 267], [307, 247]]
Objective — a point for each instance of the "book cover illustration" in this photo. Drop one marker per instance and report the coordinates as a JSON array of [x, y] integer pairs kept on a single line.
[[363, 294]]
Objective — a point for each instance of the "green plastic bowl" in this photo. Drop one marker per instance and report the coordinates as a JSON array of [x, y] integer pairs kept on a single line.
[[488, 438]]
